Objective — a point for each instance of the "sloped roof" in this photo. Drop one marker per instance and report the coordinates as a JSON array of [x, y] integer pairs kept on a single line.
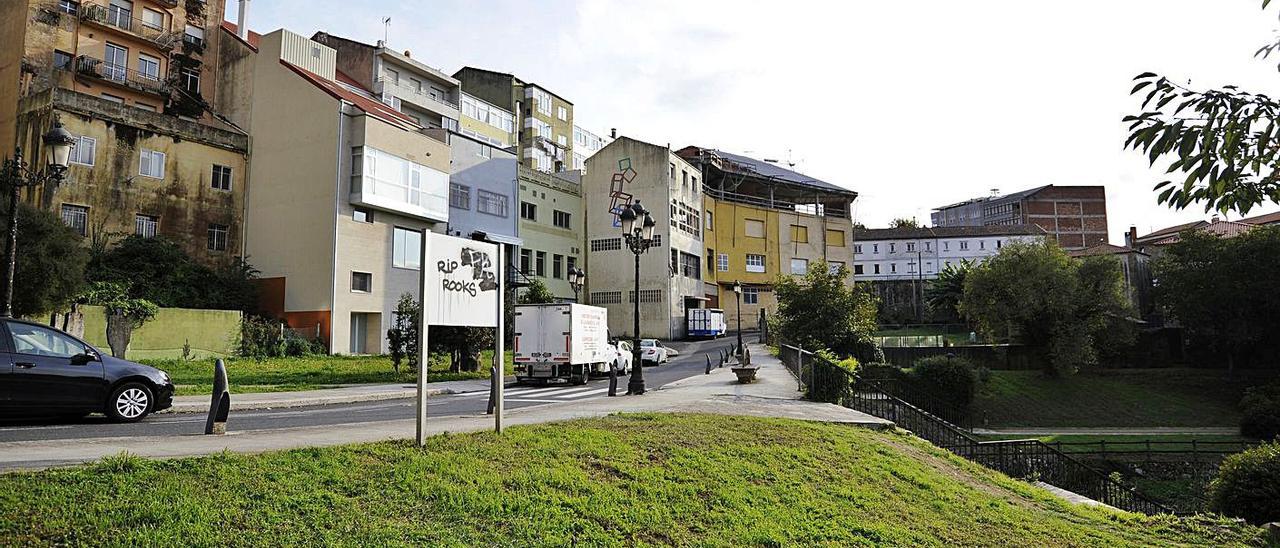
[[372, 107], [947, 232], [747, 165], [1101, 250], [1267, 219], [1224, 229], [254, 38], [1173, 230]]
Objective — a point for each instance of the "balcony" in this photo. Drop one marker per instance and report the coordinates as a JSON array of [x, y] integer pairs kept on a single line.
[[121, 76], [121, 20], [422, 99]]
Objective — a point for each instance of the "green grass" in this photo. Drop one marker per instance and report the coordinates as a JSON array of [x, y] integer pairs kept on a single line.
[[699, 480], [1117, 397], [306, 373]]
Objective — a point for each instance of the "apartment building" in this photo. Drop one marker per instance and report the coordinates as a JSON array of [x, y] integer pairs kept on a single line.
[[487, 122], [551, 228], [761, 221], [585, 144], [889, 254], [133, 81], [544, 120], [1075, 216], [671, 276], [425, 94], [347, 187]]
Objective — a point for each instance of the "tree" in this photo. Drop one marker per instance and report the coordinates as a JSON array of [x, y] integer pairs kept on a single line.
[[1221, 292], [1223, 143], [51, 262], [124, 314], [821, 310], [158, 270], [461, 344], [1036, 293], [402, 338], [537, 293], [945, 292], [903, 222]]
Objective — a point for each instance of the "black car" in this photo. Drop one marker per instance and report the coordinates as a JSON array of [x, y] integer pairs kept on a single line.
[[44, 371]]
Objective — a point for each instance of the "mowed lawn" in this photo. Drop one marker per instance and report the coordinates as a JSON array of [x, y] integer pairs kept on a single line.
[[1118, 397], [307, 372], [688, 480]]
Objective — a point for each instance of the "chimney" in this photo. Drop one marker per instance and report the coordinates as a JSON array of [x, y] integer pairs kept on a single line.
[[242, 21], [1214, 219], [613, 133], [1131, 238], [407, 54]]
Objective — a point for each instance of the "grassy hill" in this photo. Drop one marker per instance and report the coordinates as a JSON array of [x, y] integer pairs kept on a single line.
[[622, 480]]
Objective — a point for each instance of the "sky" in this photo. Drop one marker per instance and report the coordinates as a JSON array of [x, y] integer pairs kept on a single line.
[[914, 105]]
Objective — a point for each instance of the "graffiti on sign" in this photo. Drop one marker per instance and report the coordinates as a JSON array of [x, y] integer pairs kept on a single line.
[[462, 289]]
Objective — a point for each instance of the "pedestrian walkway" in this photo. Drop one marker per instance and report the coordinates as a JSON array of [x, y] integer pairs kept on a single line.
[[1037, 432], [773, 395], [551, 394], [328, 396]]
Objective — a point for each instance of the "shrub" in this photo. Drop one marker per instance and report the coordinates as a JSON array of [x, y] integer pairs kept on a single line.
[[260, 338], [944, 383], [832, 377], [1261, 406], [1248, 485]]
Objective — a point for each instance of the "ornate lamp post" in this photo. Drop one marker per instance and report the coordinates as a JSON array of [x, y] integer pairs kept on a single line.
[[737, 290], [576, 279], [637, 230], [16, 174]]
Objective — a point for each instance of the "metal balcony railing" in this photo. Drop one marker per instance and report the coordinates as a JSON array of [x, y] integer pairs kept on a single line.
[[122, 19], [120, 75]]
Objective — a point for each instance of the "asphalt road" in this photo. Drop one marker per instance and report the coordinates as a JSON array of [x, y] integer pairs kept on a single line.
[[691, 361]]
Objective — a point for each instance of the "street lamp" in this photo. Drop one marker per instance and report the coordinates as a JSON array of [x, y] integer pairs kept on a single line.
[[737, 290], [17, 174], [576, 279], [637, 230]]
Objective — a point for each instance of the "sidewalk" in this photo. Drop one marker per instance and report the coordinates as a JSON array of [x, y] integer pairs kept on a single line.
[[773, 395], [346, 394], [1037, 432]]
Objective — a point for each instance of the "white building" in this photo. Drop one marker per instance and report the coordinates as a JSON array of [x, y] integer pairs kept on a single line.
[[585, 144], [881, 254]]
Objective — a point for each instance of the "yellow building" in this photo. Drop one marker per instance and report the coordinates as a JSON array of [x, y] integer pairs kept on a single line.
[[132, 80], [764, 221]]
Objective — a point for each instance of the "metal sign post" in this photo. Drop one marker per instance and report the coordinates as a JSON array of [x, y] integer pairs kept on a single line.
[[424, 355], [499, 344]]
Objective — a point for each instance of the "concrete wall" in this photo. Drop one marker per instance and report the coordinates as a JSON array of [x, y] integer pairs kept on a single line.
[[208, 332]]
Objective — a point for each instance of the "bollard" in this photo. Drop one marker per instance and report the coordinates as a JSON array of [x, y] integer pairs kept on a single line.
[[221, 402], [493, 388], [613, 379], [708, 372]]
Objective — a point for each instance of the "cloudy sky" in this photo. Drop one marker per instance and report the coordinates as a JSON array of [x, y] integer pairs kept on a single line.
[[912, 104]]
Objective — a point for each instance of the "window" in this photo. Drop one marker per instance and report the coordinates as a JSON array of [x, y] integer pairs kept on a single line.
[[115, 63], [570, 262], [562, 113], [750, 295], [722, 262], [76, 217], [34, 340], [112, 98], [946, 246], [606, 297], [221, 177], [835, 238], [360, 215], [893, 267], [684, 179], [754, 228], [151, 164], [562, 140], [857, 270], [695, 184], [911, 246], [491, 203], [708, 222], [120, 13], [997, 244], [606, 244], [690, 266], [857, 248], [406, 248], [152, 18], [394, 76], [396, 182], [528, 211], [800, 234], [875, 248], [217, 237], [755, 263], [556, 262], [982, 244], [646, 296], [84, 150], [61, 60], [673, 172], [361, 282], [145, 225], [459, 196], [540, 264], [146, 107], [194, 35], [526, 261], [70, 7], [541, 100], [799, 266], [560, 218], [190, 79], [834, 267], [711, 260], [893, 247], [964, 245], [927, 246]]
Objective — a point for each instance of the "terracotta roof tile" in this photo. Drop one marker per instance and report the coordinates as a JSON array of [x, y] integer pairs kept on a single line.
[[254, 38]]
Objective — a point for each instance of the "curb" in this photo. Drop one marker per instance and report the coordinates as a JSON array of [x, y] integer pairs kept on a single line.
[[308, 400]]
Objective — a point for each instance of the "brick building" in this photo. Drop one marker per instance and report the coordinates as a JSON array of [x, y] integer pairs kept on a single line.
[[1076, 216]]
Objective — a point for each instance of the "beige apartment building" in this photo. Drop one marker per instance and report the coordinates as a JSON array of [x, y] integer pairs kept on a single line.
[[348, 186], [134, 81], [550, 228], [671, 275]]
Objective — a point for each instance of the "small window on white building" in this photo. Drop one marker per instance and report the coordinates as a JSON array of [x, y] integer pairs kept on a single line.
[[361, 282], [151, 164]]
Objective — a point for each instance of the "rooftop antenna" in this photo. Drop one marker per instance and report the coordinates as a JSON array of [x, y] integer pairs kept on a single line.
[[386, 29], [790, 162]]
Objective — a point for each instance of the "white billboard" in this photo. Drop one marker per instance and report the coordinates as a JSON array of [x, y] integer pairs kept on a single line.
[[460, 282]]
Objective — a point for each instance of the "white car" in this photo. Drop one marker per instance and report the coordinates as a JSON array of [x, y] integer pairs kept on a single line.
[[621, 357], [651, 351]]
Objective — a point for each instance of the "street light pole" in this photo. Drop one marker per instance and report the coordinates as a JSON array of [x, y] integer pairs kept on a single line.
[[737, 290], [576, 280], [16, 174], [637, 231]]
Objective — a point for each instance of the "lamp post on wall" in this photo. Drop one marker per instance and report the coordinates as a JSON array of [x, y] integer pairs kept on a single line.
[[577, 277], [737, 290], [16, 174], [637, 231]]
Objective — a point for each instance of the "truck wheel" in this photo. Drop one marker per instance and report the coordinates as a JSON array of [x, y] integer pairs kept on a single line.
[[579, 380]]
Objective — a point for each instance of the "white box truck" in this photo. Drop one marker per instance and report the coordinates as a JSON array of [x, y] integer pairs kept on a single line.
[[707, 323], [562, 341]]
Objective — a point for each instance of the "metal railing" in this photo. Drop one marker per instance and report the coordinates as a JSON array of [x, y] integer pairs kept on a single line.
[[123, 19], [96, 68], [1024, 459]]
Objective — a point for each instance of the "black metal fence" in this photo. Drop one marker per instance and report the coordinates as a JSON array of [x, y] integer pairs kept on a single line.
[[1025, 459]]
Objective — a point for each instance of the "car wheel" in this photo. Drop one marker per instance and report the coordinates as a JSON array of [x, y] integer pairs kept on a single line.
[[131, 402]]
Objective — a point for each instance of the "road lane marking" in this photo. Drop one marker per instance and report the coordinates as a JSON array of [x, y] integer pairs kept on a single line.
[[590, 392]]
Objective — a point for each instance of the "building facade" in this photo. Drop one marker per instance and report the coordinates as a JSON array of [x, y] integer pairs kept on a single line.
[[585, 144], [886, 254], [487, 122], [133, 81], [551, 228], [544, 120], [349, 185], [1075, 216]]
